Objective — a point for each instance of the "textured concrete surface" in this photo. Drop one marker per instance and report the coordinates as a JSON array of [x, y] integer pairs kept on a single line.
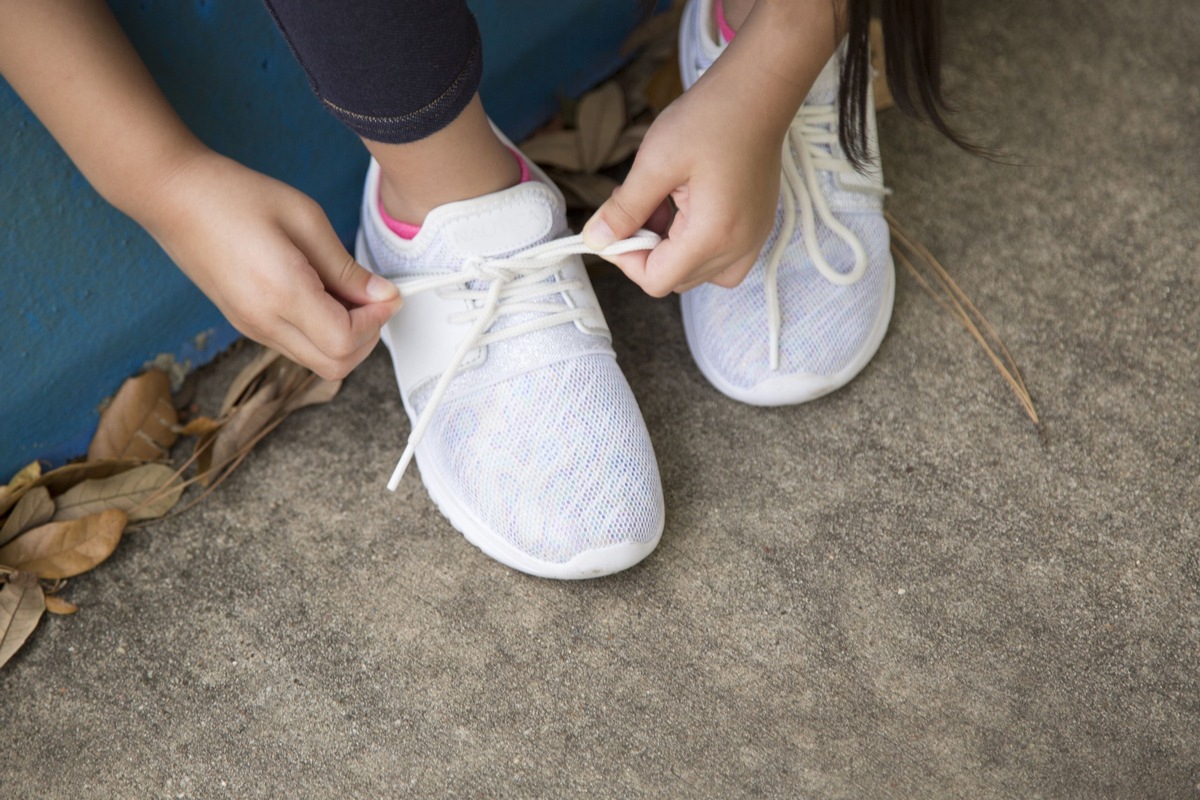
[[902, 590]]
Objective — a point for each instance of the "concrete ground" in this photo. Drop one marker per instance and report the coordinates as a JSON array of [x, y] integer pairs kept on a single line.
[[903, 590]]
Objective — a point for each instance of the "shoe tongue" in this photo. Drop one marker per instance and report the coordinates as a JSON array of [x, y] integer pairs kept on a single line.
[[496, 224]]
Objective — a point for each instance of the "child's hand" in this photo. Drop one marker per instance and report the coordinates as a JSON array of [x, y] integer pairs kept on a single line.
[[266, 255], [716, 152], [720, 165]]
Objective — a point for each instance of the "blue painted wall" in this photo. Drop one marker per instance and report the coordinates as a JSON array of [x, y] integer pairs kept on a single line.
[[87, 298]]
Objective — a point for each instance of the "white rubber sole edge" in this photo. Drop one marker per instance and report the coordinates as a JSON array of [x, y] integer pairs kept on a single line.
[[589, 564], [790, 390]]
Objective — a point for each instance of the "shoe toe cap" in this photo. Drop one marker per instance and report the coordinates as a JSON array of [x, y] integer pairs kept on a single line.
[[552, 474]]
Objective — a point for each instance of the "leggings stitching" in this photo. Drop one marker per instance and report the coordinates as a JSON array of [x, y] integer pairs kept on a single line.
[[458, 79]]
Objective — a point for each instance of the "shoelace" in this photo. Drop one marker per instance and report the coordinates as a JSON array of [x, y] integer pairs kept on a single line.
[[514, 285], [813, 130]]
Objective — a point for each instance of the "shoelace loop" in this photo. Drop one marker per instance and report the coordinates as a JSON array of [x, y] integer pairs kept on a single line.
[[812, 131], [514, 284]]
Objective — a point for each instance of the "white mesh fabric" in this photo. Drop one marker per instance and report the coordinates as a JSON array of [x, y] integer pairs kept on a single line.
[[543, 442], [556, 461], [824, 326]]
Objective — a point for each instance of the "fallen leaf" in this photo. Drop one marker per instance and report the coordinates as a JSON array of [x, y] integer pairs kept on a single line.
[[63, 478], [202, 454], [250, 373], [57, 605], [22, 603], [66, 549], [139, 422], [589, 191], [287, 376], [627, 144], [599, 121], [199, 426], [27, 474], [147, 492], [315, 393], [555, 149], [12, 491], [33, 509], [249, 418]]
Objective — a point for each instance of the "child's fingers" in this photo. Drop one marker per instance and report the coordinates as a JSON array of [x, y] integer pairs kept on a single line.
[[295, 344], [733, 275], [632, 264], [631, 205], [675, 262], [344, 277], [340, 336]]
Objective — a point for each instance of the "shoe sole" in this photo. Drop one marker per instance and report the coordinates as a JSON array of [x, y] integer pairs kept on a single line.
[[790, 390], [588, 564]]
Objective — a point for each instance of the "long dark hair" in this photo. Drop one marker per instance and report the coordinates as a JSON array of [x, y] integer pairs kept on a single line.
[[912, 45]]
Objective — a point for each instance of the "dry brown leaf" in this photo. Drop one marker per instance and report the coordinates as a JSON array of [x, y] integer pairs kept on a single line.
[[316, 392], [34, 509], [202, 454], [241, 386], [198, 426], [627, 144], [22, 603], [63, 478], [554, 149], [287, 376], [599, 122], [20, 483], [140, 421], [146, 492], [27, 474], [585, 191], [66, 549], [57, 605], [249, 418]]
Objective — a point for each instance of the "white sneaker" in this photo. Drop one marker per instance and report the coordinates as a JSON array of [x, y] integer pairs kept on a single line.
[[526, 433], [814, 308]]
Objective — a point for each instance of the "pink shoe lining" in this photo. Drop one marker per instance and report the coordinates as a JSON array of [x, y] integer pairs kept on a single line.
[[407, 230], [727, 32]]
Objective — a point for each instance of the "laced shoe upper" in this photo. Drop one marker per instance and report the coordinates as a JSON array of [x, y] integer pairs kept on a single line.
[[506, 369], [812, 302]]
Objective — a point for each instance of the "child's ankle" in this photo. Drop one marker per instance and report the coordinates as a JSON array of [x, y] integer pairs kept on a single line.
[[404, 214]]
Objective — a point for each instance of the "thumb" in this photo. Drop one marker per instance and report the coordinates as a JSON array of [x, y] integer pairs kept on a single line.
[[356, 284], [630, 206], [344, 278]]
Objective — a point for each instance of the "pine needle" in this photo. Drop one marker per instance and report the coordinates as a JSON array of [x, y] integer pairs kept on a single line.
[[936, 281]]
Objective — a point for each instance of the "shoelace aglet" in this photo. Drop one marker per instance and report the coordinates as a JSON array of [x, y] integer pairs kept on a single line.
[[402, 465]]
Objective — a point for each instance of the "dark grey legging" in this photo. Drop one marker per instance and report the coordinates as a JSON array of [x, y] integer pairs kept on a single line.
[[393, 71]]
